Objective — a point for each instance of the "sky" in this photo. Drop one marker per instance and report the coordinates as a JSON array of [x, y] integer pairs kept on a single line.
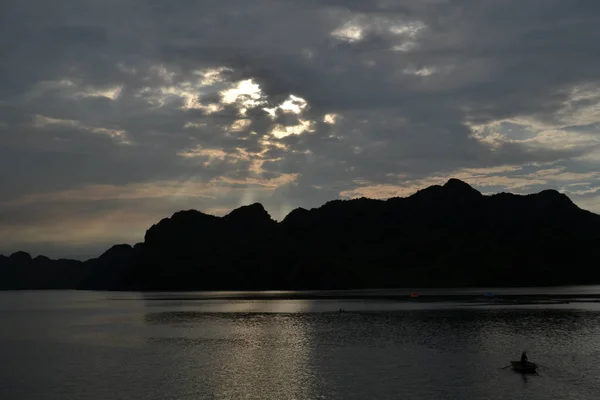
[[117, 113]]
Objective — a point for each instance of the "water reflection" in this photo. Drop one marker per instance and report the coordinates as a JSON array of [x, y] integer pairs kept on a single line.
[[302, 355], [249, 355], [275, 365], [128, 346]]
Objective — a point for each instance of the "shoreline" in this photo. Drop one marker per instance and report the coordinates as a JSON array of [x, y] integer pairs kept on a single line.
[[422, 298]]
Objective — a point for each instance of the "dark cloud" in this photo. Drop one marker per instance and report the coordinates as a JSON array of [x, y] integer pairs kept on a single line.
[[129, 96]]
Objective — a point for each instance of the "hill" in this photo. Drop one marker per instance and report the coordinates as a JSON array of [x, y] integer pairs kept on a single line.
[[448, 235]]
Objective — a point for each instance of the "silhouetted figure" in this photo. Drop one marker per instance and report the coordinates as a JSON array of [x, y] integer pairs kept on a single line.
[[524, 358]]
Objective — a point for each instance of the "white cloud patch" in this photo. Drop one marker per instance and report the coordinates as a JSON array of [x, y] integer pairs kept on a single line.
[[294, 104], [360, 25], [118, 135], [349, 32], [111, 93], [423, 71], [240, 125], [210, 156], [330, 118]]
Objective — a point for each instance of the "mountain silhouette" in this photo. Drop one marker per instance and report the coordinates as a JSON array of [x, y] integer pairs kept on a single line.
[[21, 271], [448, 235]]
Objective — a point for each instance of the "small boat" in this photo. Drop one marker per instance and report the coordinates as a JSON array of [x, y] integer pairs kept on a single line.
[[528, 367]]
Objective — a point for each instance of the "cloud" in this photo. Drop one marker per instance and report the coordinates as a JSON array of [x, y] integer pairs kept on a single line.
[[110, 105]]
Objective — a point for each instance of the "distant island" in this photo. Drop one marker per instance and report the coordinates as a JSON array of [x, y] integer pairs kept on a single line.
[[441, 236]]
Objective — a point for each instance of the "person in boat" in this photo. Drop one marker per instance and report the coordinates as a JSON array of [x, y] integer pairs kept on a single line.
[[524, 358]]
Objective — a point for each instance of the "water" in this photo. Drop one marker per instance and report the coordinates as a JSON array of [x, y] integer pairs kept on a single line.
[[85, 345]]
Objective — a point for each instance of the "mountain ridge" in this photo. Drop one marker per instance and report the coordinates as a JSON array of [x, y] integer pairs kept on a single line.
[[442, 235]]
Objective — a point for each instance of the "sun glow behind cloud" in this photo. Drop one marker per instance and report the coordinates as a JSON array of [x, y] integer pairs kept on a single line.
[[243, 95], [246, 93], [294, 104], [281, 131]]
